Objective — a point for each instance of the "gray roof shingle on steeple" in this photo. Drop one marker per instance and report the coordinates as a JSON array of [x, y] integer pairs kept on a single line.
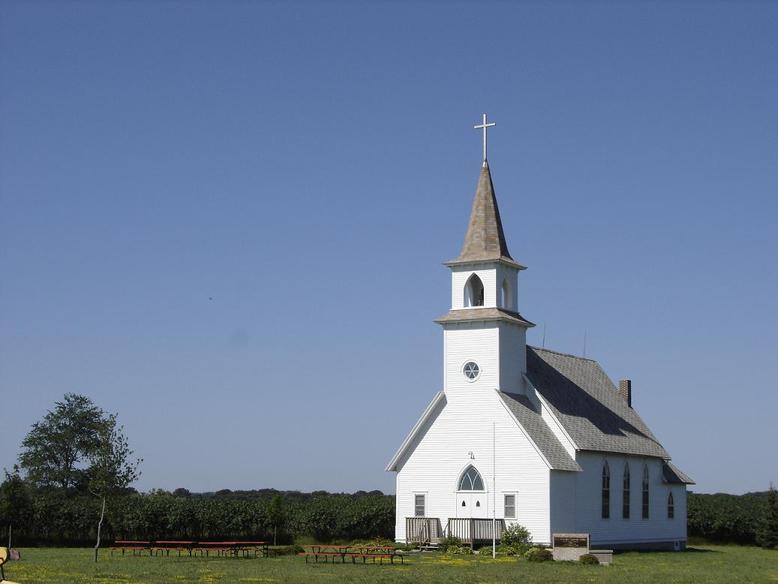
[[588, 405], [485, 239]]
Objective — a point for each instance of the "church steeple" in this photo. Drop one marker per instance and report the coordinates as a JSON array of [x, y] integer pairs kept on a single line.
[[485, 335], [485, 239]]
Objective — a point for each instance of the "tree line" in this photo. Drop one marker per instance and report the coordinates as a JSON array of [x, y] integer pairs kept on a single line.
[[51, 518], [72, 486]]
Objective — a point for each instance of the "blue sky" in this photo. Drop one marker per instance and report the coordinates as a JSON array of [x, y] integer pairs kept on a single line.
[[226, 220]]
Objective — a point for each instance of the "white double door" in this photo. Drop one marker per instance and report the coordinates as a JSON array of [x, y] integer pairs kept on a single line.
[[472, 504]]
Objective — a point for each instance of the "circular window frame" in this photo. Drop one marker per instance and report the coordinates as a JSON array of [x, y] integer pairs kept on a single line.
[[478, 369]]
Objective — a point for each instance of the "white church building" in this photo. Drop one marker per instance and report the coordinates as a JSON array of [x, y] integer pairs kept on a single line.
[[527, 435]]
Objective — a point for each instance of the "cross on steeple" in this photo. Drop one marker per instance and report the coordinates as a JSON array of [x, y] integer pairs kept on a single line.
[[483, 125]]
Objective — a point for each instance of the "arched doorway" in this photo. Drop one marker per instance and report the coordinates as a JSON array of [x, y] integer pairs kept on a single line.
[[472, 500]]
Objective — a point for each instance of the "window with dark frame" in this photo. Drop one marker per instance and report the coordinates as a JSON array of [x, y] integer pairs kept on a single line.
[[606, 491], [419, 505], [471, 480], [625, 495], [510, 506], [670, 507], [645, 491]]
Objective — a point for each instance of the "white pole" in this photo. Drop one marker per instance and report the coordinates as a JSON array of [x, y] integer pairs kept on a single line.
[[494, 491]]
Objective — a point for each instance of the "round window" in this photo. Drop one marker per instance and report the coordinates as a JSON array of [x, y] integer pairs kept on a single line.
[[471, 370]]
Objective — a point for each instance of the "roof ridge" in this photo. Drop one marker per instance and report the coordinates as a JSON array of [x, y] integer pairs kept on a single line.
[[561, 353]]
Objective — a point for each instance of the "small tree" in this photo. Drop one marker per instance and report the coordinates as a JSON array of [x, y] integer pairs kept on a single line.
[[276, 515], [55, 449], [767, 532], [15, 502], [112, 468]]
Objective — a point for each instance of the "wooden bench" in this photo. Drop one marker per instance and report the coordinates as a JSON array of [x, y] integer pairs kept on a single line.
[[5, 556]]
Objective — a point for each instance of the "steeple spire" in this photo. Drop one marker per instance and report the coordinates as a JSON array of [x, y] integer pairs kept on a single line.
[[485, 239]]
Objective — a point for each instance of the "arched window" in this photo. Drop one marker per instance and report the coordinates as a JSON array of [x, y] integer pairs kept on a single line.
[[645, 491], [474, 291], [471, 480], [625, 494], [507, 301], [606, 490], [670, 506]]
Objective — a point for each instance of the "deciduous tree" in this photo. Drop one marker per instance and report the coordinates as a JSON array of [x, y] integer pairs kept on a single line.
[[767, 532], [111, 467], [15, 502], [56, 449]]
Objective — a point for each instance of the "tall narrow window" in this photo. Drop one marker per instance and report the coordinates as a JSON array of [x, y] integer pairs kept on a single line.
[[510, 507], [507, 301], [625, 494], [670, 507], [606, 491], [419, 506], [474, 291], [471, 480], [645, 491]]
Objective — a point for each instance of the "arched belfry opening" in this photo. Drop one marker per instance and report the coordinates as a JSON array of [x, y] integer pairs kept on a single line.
[[507, 299], [474, 291], [471, 480]]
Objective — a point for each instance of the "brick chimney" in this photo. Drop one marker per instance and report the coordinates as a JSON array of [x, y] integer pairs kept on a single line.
[[625, 390]]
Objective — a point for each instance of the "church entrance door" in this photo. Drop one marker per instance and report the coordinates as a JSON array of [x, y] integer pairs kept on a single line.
[[471, 505]]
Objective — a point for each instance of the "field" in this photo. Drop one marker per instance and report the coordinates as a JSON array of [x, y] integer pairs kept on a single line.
[[709, 564]]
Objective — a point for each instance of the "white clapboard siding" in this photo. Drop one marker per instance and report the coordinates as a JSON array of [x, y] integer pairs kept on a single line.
[[438, 458], [588, 494]]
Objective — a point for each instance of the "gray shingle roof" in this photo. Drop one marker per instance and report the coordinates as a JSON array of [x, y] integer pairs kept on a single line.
[[556, 455], [588, 405], [673, 475]]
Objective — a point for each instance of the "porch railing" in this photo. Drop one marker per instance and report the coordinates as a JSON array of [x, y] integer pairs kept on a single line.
[[422, 530], [474, 530]]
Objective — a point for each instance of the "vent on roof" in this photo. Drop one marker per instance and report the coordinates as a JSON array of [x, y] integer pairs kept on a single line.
[[625, 390]]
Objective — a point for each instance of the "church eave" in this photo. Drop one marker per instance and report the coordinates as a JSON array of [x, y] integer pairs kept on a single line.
[[488, 259], [483, 315], [392, 466]]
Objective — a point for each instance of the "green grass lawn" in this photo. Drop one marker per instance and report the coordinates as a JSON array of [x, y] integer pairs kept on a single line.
[[709, 564]]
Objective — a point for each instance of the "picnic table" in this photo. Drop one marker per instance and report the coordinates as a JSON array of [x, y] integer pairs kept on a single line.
[[133, 545], [353, 552], [233, 548], [164, 546]]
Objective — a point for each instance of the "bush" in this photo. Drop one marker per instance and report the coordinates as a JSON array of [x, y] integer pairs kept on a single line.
[[516, 534], [456, 550], [538, 554], [450, 541], [589, 560], [515, 540]]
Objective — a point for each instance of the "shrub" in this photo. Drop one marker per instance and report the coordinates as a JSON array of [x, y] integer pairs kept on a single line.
[[515, 540], [516, 534], [589, 560], [456, 550], [450, 541], [512, 550], [538, 554]]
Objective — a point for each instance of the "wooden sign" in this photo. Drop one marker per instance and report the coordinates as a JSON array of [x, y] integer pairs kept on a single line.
[[571, 541]]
